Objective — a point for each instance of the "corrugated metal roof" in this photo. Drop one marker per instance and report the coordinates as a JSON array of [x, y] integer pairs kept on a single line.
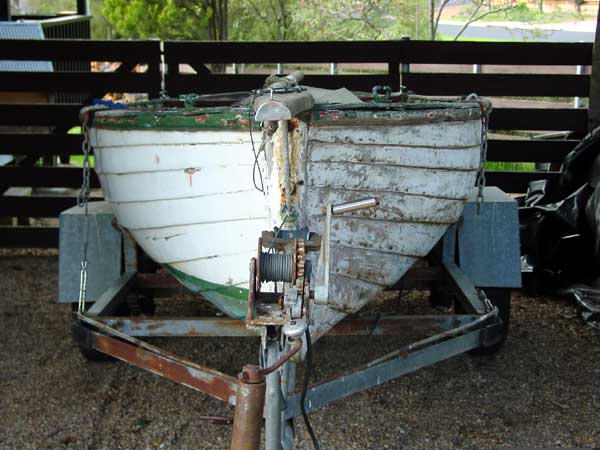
[[23, 30]]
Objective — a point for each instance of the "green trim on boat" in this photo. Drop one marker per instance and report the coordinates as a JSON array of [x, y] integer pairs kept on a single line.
[[175, 119], [232, 300]]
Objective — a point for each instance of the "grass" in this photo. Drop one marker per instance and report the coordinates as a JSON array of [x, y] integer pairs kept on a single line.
[[77, 160], [510, 166]]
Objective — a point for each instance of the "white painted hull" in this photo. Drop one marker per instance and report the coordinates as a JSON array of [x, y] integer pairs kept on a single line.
[[188, 199], [422, 175]]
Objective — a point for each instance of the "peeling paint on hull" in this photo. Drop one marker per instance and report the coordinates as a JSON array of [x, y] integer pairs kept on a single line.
[[422, 165]]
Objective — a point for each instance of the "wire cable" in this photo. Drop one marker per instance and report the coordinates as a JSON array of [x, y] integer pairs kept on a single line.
[[260, 149], [307, 371]]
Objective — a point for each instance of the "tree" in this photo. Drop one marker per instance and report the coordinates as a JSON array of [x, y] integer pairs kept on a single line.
[[476, 13], [168, 19]]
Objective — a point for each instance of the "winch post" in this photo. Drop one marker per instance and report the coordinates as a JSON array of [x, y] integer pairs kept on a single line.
[[248, 416]]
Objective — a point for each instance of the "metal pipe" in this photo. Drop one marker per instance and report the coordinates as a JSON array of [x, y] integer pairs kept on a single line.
[[250, 401], [273, 401], [283, 125], [354, 206]]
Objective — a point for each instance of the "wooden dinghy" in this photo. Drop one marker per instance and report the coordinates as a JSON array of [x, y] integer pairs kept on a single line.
[[180, 180], [411, 165]]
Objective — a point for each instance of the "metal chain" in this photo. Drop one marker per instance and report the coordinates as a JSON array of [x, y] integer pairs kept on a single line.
[[483, 156], [486, 108], [83, 202]]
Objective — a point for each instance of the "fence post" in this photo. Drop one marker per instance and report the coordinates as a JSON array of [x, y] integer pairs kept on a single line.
[[594, 106], [577, 100], [5, 10], [404, 67], [279, 69], [333, 69]]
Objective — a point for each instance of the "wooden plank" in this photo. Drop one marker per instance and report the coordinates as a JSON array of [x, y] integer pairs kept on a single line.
[[28, 237], [96, 83], [22, 206], [81, 50], [43, 144], [423, 52], [498, 84], [529, 150], [566, 119], [60, 115], [44, 177], [208, 84], [516, 182]]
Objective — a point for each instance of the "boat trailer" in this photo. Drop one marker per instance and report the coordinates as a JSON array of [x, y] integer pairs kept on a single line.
[[474, 266]]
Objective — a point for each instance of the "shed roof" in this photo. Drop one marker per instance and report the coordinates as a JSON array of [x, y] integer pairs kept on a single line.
[[23, 30]]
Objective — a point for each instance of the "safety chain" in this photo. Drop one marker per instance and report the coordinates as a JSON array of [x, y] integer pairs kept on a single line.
[[483, 156], [486, 108], [83, 202]]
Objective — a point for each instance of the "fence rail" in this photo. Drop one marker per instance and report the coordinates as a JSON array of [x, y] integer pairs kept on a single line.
[[50, 122]]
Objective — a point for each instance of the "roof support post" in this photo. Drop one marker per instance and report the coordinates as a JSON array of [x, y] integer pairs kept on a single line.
[[594, 105]]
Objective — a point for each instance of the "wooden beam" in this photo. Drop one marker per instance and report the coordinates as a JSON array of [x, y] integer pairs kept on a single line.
[[529, 150], [43, 144], [594, 105], [60, 115], [498, 84], [567, 119], [28, 237], [516, 182], [214, 83], [47, 206], [404, 51], [82, 50], [98, 83], [44, 177]]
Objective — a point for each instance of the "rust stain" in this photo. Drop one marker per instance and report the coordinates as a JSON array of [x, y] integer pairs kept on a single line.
[[213, 383], [190, 171], [156, 159]]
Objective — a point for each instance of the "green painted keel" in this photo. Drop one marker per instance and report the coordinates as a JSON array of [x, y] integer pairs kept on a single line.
[[232, 300]]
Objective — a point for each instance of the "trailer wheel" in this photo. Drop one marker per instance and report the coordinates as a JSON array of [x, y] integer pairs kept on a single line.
[[501, 298]]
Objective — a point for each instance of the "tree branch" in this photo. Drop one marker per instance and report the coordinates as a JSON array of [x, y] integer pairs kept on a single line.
[[479, 17], [439, 15]]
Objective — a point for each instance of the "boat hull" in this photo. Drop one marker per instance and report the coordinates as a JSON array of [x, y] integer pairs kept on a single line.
[[421, 166], [188, 199]]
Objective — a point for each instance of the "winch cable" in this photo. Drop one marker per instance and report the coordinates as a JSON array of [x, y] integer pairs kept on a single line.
[[254, 152], [307, 372]]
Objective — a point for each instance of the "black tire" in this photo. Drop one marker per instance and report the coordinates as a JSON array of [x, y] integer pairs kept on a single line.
[[501, 298], [88, 353]]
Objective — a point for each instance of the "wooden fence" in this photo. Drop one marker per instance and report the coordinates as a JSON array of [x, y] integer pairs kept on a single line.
[[398, 55]]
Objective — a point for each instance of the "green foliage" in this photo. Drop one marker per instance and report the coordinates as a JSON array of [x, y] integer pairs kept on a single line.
[[522, 13], [252, 20], [358, 19], [163, 19]]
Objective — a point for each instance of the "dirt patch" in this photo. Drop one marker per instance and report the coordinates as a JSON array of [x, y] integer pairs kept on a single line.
[[541, 390]]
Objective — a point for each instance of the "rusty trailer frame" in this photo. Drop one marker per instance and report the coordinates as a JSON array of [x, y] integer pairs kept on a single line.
[[120, 337]]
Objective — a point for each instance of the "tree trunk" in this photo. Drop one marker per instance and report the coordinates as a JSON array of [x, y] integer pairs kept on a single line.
[[432, 29]]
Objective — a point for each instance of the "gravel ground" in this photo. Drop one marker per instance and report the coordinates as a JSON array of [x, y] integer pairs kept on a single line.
[[541, 390]]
